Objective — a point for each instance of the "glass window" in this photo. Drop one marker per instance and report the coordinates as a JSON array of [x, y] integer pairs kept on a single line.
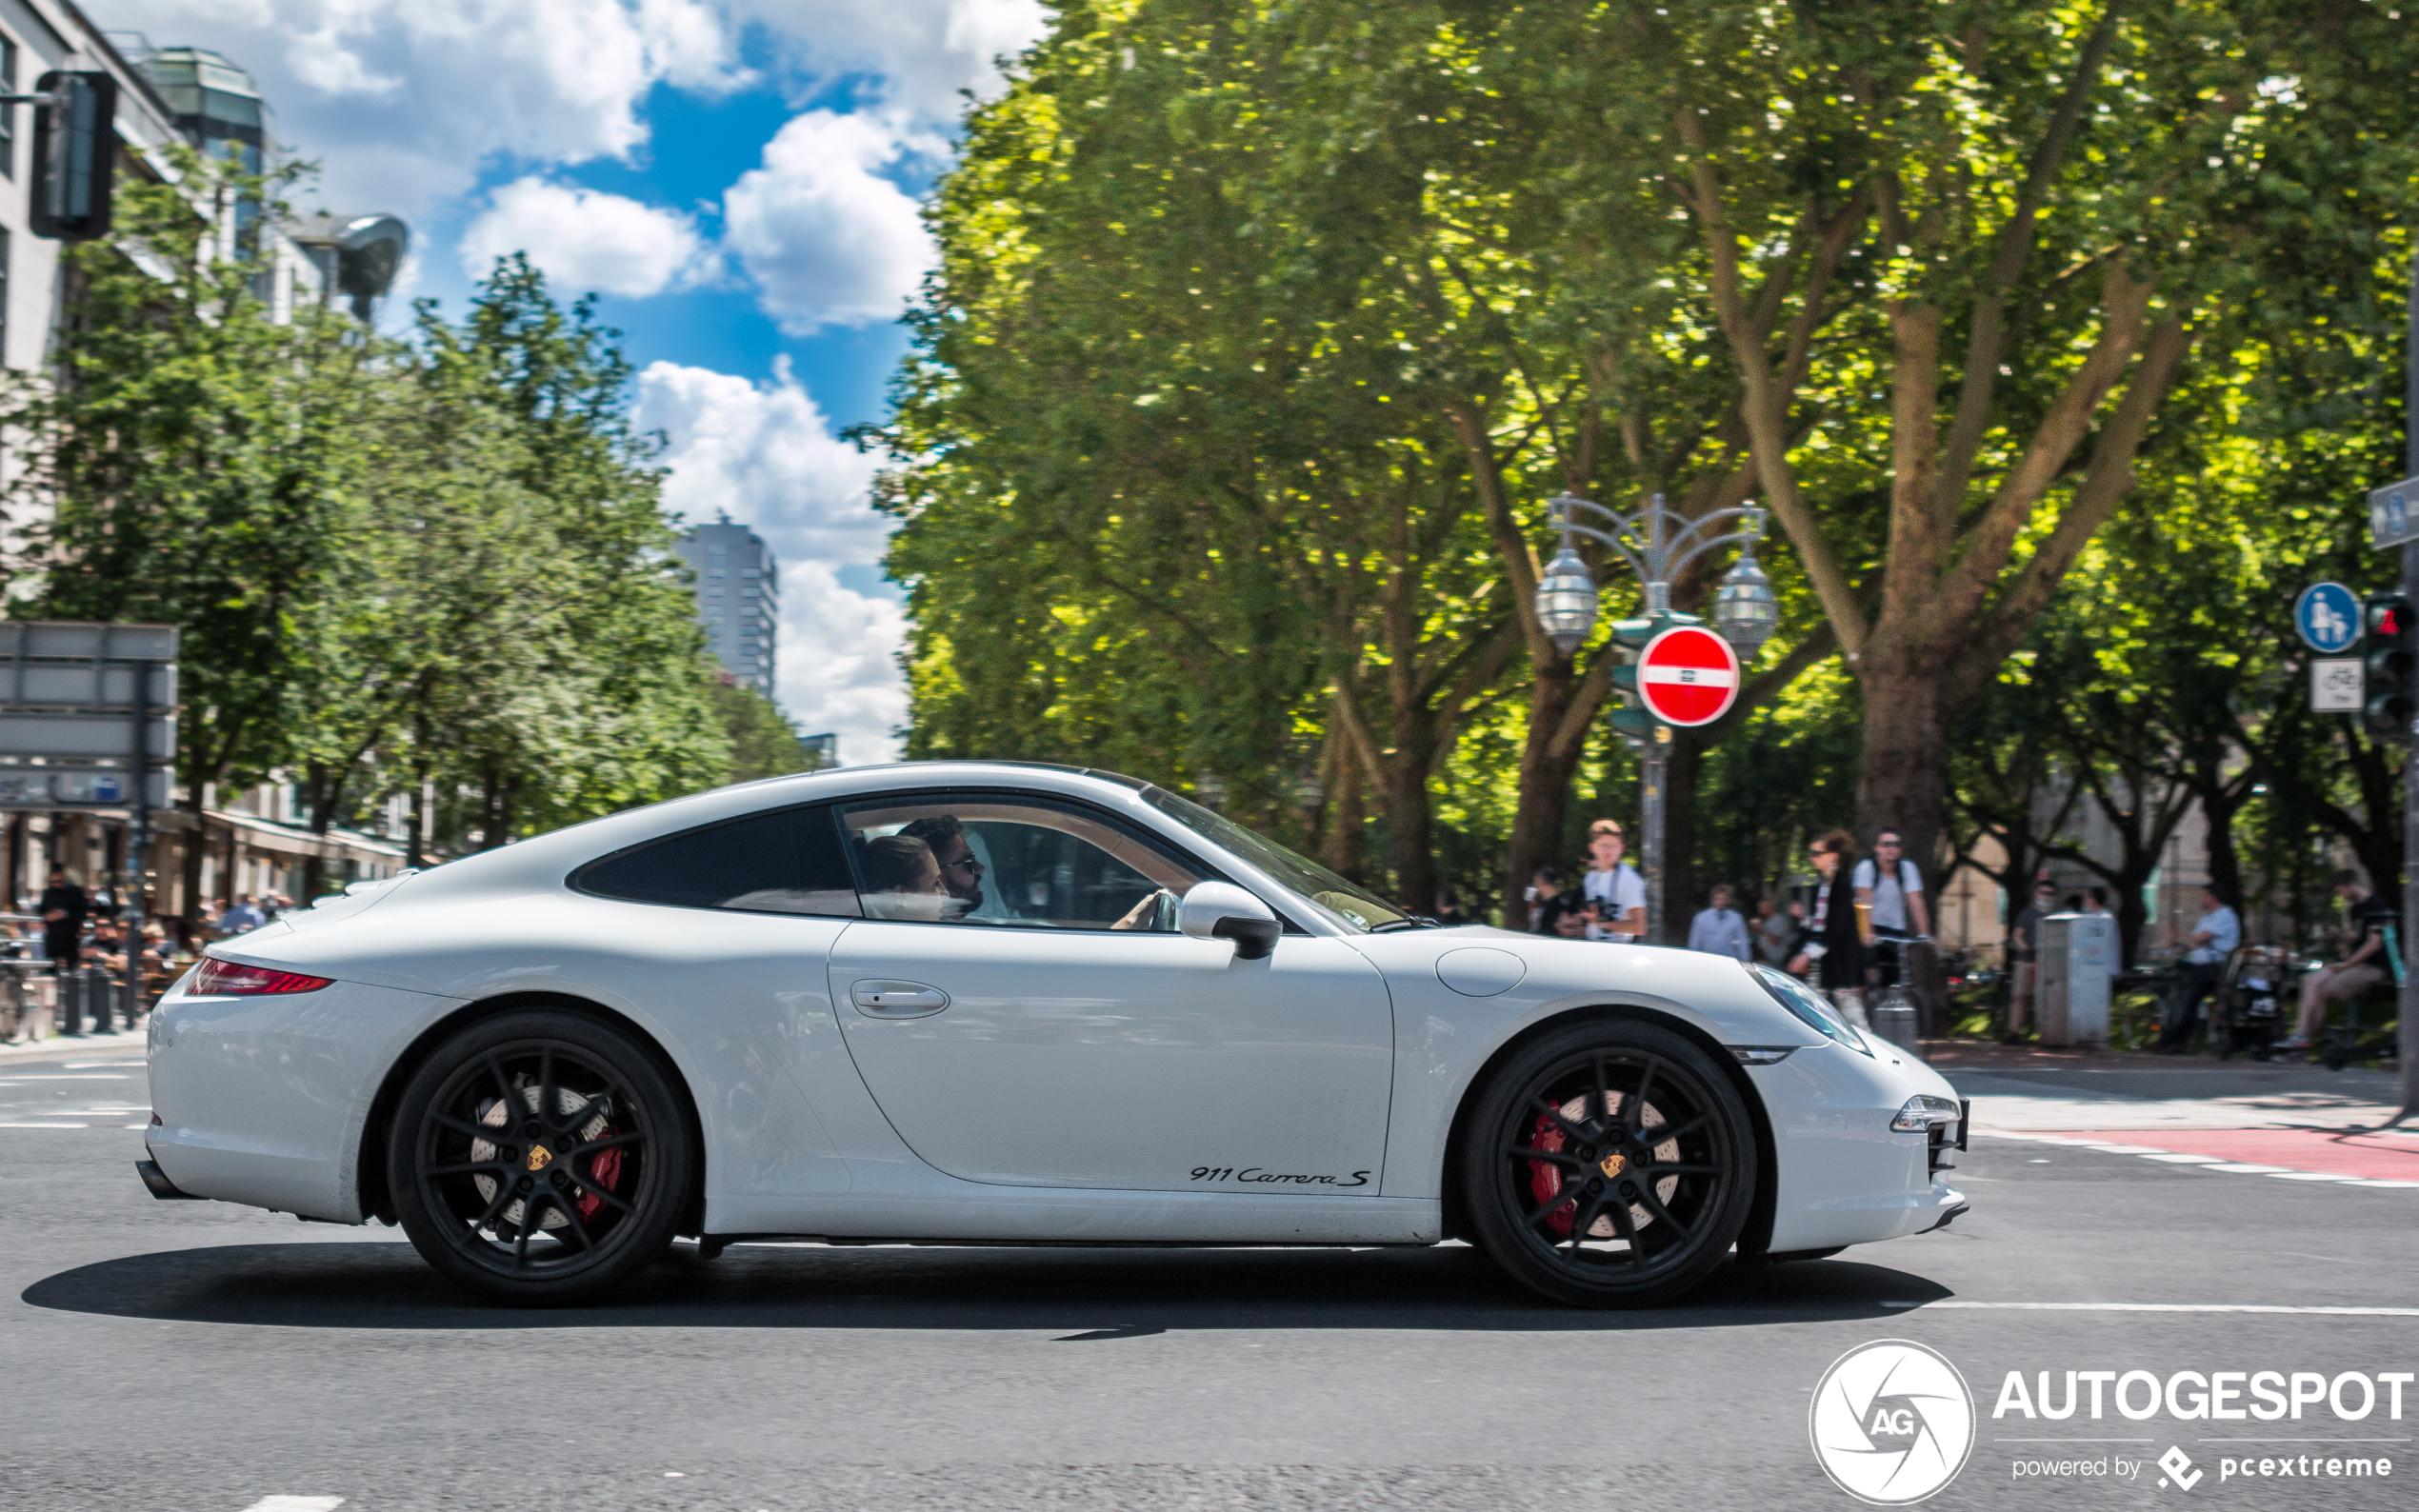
[[785, 862], [1016, 862], [1349, 902]]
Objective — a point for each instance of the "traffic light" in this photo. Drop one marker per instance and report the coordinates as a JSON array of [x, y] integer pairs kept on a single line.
[[1629, 637], [75, 152], [2390, 655]]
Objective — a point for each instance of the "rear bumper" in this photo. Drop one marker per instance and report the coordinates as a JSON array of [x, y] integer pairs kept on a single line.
[[264, 1099]]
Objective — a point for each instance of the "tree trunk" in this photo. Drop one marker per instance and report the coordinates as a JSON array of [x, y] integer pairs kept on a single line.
[[1343, 837], [1902, 779]]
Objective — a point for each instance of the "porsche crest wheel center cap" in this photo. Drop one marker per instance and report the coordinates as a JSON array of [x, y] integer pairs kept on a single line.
[[1611, 1165], [540, 1158]]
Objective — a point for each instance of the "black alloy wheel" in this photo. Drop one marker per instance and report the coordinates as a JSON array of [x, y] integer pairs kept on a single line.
[[540, 1157], [1609, 1163]]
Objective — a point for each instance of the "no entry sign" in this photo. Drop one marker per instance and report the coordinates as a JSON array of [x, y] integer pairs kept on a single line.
[[1688, 675]]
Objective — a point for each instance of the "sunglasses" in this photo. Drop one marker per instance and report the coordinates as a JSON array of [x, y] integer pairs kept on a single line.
[[965, 863]]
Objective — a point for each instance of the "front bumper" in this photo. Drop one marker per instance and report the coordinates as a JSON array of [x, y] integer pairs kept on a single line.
[[1846, 1177]]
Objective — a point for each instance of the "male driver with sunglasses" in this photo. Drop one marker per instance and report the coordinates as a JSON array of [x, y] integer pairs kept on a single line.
[[960, 872]]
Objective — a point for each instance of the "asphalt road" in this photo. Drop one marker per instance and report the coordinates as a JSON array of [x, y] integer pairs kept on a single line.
[[197, 1356]]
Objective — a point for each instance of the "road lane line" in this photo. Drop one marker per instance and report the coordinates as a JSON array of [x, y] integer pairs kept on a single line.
[[2159, 1306], [45, 1125], [296, 1504]]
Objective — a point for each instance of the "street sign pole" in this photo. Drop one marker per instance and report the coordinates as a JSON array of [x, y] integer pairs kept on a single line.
[[1650, 768], [2406, 1008]]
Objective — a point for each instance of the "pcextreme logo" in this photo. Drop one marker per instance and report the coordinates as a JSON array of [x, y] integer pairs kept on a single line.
[[1891, 1422]]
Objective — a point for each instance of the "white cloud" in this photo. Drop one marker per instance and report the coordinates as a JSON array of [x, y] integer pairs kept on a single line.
[[921, 52], [765, 454], [403, 103], [828, 240], [582, 239], [837, 663]]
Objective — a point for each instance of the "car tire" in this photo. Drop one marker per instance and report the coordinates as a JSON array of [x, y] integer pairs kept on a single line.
[[1575, 1121], [540, 1158]]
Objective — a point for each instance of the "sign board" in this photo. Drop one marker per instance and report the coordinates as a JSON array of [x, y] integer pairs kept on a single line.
[[82, 707], [2327, 617], [1688, 675], [2334, 685], [2393, 513]]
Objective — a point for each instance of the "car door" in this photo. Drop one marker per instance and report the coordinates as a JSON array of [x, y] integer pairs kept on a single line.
[[1040, 1023]]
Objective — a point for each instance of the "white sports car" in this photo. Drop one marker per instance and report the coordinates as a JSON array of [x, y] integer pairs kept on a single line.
[[977, 1002]]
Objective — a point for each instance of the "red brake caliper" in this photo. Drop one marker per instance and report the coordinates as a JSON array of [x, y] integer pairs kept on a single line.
[[605, 1169], [1545, 1178]]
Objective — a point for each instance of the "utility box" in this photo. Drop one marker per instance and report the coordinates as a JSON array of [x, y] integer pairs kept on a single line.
[[2078, 951]]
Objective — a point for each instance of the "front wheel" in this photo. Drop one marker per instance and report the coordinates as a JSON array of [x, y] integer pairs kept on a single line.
[[540, 1157], [1609, 1164]]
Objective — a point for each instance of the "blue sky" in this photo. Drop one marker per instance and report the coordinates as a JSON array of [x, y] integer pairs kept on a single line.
[[737, 179]]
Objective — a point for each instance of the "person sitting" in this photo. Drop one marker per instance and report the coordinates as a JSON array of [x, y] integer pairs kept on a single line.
[[960, 872], [904, 882], [2362, 967]]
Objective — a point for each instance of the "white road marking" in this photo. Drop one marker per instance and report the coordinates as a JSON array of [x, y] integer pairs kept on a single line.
[[2184, 1160], [2232, 1169], [27, 1081], [45, 1125], [2159, 1306], [2206, 1163], [296, 1504]]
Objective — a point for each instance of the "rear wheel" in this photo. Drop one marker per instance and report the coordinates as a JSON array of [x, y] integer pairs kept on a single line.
[[1609, 1164], [540, 1157]]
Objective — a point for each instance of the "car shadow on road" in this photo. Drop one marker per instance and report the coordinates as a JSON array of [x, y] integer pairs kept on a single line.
[[1089, 1295]]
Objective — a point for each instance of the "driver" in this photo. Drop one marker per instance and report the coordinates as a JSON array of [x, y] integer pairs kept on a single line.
[[960, 872]]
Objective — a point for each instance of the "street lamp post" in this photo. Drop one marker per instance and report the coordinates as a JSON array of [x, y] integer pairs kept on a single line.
[[1657, 543]]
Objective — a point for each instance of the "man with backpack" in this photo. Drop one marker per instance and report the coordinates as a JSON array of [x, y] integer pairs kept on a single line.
[[1892, 889]]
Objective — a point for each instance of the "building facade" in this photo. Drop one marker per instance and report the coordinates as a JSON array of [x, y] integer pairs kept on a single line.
[[738, 599]]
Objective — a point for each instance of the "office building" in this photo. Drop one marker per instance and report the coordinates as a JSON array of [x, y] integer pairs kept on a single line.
[[738, 598]]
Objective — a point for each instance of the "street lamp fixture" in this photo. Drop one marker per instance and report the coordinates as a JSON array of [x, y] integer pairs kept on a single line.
[[1745, 611], [1567, 600], [1658, 543]]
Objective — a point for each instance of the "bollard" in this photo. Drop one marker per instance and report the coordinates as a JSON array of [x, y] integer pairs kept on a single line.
[[71, 1001], [1895, 1020]]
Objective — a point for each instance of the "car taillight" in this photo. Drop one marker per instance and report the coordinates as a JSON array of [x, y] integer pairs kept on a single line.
[[228, 978]]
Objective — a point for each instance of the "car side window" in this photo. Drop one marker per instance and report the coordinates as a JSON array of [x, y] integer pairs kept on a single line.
[[1011, 861], [789, 861]]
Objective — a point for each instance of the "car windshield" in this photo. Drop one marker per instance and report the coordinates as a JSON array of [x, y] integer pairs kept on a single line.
[[1346, 902]]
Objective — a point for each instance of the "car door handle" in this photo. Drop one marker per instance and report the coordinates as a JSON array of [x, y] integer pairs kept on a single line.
[[878, 998]]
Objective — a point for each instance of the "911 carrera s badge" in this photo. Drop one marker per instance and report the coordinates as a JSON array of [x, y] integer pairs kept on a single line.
[[1611, 1165], [540, 1157]]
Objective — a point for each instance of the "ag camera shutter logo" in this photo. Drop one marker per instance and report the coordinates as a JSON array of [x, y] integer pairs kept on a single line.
[[1891, 1422]]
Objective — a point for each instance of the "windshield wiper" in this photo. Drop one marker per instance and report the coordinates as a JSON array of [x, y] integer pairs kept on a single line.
[[1409, 920]]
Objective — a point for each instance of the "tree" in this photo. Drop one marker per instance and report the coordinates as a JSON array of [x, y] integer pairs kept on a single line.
[[763, 742]]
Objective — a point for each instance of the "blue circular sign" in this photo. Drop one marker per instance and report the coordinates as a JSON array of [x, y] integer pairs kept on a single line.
[[2327, 616]]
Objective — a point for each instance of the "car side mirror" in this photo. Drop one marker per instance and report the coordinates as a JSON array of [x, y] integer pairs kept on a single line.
[[1221, 910]]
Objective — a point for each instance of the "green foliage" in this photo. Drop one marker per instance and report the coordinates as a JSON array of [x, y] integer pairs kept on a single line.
[[763, 742]]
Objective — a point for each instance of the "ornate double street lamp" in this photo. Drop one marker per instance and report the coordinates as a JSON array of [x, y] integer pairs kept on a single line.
[[1676, 671]]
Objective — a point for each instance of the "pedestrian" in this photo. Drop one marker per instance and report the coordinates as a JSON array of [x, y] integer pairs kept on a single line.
[[2023, 958], [244, 915], [2362, 967], [1612, 887], [1773, 932], [1892, 887], [1830, 949], [2215, 937], [1717, 928], [1448, 911], [1540, 892], [64, 908]]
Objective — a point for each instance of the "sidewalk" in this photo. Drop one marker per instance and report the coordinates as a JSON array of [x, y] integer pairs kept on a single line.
[[2025, 1089], [116, 1045]]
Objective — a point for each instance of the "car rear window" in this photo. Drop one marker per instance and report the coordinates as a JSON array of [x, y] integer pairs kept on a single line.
[[789, 861]]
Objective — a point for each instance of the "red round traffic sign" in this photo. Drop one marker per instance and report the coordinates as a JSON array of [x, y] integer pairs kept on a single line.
[[1688, 675]]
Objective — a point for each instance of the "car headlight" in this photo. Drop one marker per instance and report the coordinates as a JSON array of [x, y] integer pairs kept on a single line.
[[1923, 1113], [1809, 1007]]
